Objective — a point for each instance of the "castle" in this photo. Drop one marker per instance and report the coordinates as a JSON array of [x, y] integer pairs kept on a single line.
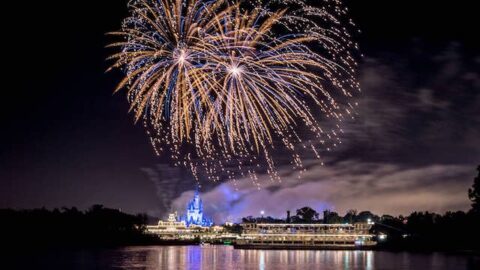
[[194, 214]]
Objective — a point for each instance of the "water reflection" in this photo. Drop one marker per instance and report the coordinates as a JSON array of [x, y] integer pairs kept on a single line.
[[223, 257], [261, 263]]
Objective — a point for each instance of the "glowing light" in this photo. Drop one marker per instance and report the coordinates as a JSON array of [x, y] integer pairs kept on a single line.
[[220, 84], [181, 57], [235, 70]]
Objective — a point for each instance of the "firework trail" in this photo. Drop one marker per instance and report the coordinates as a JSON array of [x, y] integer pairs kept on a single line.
[[219, 85]]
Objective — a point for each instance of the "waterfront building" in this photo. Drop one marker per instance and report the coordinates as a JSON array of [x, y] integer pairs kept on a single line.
[[170, 225], [306, 236], [177, 230]]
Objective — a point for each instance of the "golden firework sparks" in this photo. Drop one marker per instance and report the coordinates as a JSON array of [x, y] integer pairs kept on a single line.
[[219, 84]]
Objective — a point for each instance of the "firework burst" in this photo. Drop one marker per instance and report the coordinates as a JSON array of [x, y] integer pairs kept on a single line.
[[219, 85]]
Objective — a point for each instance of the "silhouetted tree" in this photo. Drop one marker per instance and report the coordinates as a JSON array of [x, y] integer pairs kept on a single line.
[[331, 217], [249, 219], [474, 193], [365, 215], [307, 214], [350, 216], [267, 219]]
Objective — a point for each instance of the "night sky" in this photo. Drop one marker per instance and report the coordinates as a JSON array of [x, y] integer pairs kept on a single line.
[[67, 141]]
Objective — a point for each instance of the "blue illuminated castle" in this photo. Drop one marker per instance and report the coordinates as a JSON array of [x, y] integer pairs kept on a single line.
[[195, 213]]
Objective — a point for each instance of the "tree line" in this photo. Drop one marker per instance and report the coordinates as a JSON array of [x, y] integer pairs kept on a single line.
[[98, 226]]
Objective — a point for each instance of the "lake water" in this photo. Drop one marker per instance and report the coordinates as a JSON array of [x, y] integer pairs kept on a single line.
[[225, 257]]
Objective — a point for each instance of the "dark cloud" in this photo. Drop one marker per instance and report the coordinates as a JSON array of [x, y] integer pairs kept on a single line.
[[403, 117]]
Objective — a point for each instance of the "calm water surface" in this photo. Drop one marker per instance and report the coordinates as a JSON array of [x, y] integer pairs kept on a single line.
[[225, 257]]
